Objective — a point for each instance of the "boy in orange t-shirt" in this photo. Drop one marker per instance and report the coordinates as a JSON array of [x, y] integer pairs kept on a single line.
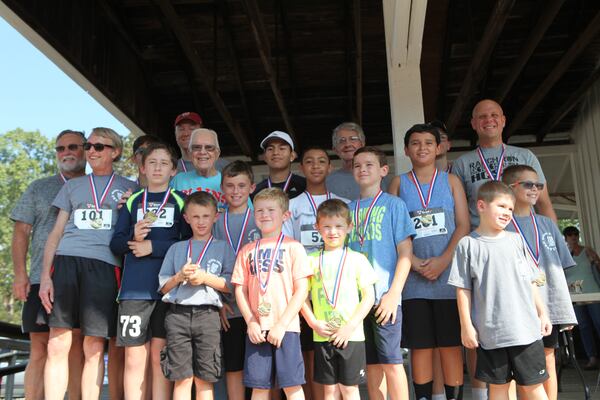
[[270, 298]]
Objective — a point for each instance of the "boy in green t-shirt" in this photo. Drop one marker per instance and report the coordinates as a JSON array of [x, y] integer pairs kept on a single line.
[[342, 292]]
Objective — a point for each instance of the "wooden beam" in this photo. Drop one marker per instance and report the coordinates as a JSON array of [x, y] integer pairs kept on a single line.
[[549, 10], [358, 61], [201, 73], [348, 56], [478, 66], [289, 55], [264, 50], [568, 105], [580, 44]]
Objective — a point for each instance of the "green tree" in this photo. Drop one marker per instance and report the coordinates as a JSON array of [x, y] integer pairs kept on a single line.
[[24, 157], [126, 167]]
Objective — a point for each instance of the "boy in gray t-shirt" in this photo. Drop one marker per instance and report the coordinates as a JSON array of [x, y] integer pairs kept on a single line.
[[501, 312]]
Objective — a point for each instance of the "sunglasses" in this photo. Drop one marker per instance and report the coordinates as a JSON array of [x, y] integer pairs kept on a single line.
[[72, 147], [208, 147], [529, 185], [97, 146]]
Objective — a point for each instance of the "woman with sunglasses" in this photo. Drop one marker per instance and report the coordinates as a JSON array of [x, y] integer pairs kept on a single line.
[[79, 281]]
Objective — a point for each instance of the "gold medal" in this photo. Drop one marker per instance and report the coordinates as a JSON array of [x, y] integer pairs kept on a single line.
[[541, 279], [150, 216], [335, 321], [96, 223], [264, 309]]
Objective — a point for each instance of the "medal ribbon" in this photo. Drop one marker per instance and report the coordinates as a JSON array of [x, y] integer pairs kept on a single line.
[[62, 177], [285, 186], [313, 203], [202, 252], [424, 203], [338, 277], [183, 167], [487, 167], [162, 204], [365, 225], [535, 256], [98, 203], [242, 231], [264, 285]]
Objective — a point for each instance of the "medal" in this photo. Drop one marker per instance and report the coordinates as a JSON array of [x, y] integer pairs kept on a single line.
[[535, 256], [150, 215], [285, 186], [335, 321], [264, 308], [487, 167], [541, 279], [313, 203], [424, 201], [361, 229], [236, 248], [97, 222]]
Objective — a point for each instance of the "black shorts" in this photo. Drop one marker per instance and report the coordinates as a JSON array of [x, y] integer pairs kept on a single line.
[[551, 341], [31, 309], [234, 345], [430, 323], [382, 342], [306, 336], [525, 364], [139, 321], [193, 343], [343, 366], [85, 292]]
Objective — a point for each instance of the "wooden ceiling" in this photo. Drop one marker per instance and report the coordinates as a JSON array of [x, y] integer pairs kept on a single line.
[[252, 66]]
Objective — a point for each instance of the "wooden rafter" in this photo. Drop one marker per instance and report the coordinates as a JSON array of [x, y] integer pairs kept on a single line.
[[289, 55], [264, 50], [550, 10], [561, 67], [201, 73], [358, 61], [478, 66]]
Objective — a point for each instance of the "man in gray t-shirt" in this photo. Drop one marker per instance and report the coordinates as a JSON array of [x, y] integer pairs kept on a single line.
[[475, 167], [33, 219]]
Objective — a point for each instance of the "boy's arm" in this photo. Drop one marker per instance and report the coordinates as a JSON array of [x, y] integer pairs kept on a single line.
[[46, 286], [341, 337], [321, 327], [123, 233], [255, 334], [468, 333], [201, 277], [388, 306], [291, 310], [540, 307]]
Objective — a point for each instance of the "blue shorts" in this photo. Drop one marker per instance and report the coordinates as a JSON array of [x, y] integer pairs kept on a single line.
[[266, 366], [382, 342]]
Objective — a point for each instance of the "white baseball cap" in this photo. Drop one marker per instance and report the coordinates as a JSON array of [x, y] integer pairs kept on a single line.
[[277, 135]]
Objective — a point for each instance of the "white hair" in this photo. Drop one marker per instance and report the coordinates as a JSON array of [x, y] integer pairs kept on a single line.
[[204, 131]]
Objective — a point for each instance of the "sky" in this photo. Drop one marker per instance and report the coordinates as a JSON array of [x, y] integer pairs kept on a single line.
[[36, 95]]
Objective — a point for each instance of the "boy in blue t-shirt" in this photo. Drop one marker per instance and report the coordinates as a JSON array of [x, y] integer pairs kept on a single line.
[[148, 224], [382, 231]]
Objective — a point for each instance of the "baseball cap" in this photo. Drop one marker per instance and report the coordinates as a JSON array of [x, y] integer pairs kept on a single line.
[[277, 135], [188, 116]]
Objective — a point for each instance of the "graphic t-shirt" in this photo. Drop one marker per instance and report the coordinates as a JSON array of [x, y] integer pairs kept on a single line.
[[357, 274], [288, 265], [296, 186]]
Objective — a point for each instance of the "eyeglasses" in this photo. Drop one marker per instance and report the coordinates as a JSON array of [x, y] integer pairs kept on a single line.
[[72, 147], [207, 147], [97, 146], [351, 139], [529, 185]]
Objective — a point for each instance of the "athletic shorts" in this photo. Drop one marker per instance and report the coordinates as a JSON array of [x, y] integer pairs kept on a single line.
[[31, 309], [84, 296], [344, 366], [551, 341], [306, 336], [382, 342], [139, 321], [234, 344], [267, 366], [193, 343], [525, 364], [430, 323]]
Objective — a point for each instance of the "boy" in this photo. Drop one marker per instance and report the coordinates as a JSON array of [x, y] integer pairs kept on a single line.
[[271, 285], [279, 154], [549, 253], [437, 205], [383, 232], [338, 322], [237, 227], [193, 288], [501, 312], [149, 223]]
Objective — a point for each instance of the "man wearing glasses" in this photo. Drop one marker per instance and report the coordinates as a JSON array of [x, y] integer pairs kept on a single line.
[[33, 219], [492, 156]]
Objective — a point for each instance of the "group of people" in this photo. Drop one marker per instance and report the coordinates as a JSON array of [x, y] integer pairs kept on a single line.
[[306, 284]]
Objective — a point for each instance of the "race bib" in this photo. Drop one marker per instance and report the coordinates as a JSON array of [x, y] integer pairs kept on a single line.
[[429, 222], [165, 216], [91, 219], [309, 236]]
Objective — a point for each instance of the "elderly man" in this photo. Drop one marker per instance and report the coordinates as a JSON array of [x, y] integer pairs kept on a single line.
[[34, 218], [491, 157], [185, 124]]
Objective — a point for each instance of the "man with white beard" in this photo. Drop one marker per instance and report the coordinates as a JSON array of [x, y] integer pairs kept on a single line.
[[34, 219]]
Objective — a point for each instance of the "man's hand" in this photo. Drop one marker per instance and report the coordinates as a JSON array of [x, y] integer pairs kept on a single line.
[[124, 198], [141, 229], [386, 310], [255, 335], [47, 294], [323, 329], [546, 325], [468, 336], [275, 336], [341, 337], [140, 249], [226, 309], [21, 287]]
